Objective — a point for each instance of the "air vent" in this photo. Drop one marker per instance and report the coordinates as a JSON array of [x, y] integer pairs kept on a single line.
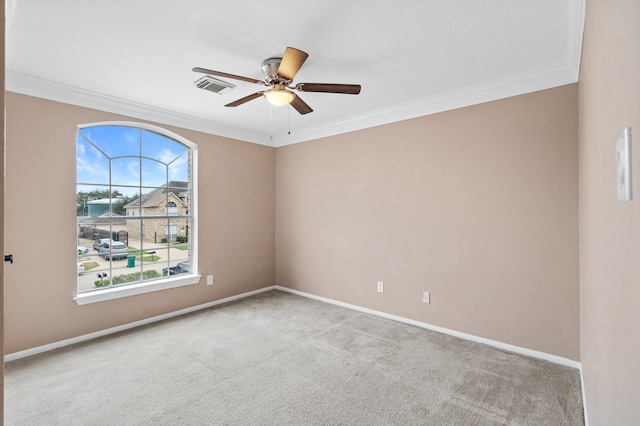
[[214, 85]]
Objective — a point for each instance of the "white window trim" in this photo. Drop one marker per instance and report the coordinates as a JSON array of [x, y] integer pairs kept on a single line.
[[112, 293], [101, 295]]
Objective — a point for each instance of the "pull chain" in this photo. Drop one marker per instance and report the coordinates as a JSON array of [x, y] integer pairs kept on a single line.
[[270, 121]]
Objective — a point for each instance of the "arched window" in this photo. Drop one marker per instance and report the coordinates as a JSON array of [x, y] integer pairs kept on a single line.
[[172, 209], [130, 178]]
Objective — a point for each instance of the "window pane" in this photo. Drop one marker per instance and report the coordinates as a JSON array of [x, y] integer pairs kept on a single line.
[[127, 201], [171, 232], [87, 273], [172, 209], [125, 171], [85, 194], [177, 255], [141, 202], [114, 141], [160, 147], [180, 195], [179, 168], [177, 268], [153, 202], [154, 173], [142, 265], [153, 259], [92, 200], [92, 166], [154, 232], [182, 225], [151, 270]]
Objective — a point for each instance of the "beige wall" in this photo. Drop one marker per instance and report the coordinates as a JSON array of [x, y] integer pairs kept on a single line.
[[491, 232], [236, 233], [2, 138], [610, 230], [479, 206]]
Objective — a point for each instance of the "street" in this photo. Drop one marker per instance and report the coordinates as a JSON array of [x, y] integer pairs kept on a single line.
[[168, 257]]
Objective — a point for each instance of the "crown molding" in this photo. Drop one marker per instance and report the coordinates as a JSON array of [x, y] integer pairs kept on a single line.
[[525, 83], [542, 79], [46, 89], [576, 12], [535, 80]]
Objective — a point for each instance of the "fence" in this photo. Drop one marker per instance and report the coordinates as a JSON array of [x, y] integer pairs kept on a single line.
[[92, 233]]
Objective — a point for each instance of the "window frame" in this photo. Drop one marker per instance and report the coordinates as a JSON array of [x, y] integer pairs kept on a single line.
[[174, 281]]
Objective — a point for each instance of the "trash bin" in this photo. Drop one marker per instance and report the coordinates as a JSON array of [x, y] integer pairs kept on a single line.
[[131, 261]]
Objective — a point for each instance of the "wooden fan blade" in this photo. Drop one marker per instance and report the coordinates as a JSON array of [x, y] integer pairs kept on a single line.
[[300, 105], [350, 89], [291, 63], [245, 99], [227, 75]]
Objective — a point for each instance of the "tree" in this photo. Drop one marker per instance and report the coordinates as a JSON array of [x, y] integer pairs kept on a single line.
[[118, 207]]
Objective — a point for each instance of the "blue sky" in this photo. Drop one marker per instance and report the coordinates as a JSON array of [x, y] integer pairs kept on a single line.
[[163, 158]]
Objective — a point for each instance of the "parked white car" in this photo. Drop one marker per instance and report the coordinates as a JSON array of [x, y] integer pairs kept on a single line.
[[82, 250]]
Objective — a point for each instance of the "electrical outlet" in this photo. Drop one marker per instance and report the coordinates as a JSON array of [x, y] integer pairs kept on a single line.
[[380, 287], [426, 297], [209, 279]]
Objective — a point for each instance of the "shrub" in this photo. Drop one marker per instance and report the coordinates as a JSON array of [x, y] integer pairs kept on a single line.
[[182, 239], [127, 278], [151, 273], [163, 240], [101, 283]]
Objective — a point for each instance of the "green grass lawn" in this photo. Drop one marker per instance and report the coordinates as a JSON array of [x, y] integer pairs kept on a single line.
[[143, 255], [89, 265]]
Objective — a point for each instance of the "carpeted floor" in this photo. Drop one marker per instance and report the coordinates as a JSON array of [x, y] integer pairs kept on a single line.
[[280, 359]]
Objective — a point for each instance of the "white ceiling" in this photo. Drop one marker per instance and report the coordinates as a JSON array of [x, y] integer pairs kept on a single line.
[[412, 57]]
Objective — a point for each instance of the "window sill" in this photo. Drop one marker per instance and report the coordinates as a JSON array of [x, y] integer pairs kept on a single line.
[[135, 289]]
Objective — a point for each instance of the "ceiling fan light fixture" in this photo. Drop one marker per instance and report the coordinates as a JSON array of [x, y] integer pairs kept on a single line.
[[278, 78], [279, 97]]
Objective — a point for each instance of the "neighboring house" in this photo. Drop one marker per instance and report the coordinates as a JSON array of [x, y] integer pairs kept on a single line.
[[100, 207], [165, 202]]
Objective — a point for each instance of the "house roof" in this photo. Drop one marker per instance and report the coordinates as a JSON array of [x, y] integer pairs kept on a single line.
[[103, 201], [159, 196]]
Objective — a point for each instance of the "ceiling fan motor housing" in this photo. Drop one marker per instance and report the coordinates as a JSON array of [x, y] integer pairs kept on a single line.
[[270, 69]]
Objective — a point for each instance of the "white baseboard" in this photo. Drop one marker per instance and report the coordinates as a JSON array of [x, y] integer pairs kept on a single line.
[[584, 398], [85, 337], [512, 348], [497, 344]]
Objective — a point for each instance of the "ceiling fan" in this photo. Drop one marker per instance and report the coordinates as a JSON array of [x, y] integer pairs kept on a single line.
[[279, 74]]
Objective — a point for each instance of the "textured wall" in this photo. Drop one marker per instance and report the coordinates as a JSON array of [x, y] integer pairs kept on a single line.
[[610, 230], [236, 228], [479, 206]]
